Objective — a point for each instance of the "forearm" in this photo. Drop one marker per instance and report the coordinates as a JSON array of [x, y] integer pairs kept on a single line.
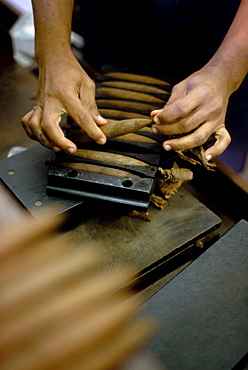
[[52, 27], [231, 59]]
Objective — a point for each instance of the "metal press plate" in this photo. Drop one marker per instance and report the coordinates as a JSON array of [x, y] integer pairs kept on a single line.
[[25, 175]]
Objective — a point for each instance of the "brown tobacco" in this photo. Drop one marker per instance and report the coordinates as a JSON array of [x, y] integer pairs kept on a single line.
[[168, 185], [120, 113], [199, 158], [176, 174], [137, 78], [114, 128], [129, 95], [136, 138], [109, 157], [127, 104], [100, 170], [135, 86]]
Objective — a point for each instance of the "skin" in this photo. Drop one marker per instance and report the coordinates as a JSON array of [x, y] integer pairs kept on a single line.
[[64, 87], [196, 104], [199, 103]]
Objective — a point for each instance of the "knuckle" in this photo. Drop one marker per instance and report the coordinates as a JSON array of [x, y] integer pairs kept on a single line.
[[90, 84], [228, 139], [24, 121], [216, 106], [188, 126], [32, 124], [181, 107], [81, 117], [45, 125], [91, 106], [175, 89], [200, 137]]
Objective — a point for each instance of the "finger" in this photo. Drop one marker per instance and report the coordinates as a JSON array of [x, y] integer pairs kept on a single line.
[[51, 129], [192, 140], [182, 126], [223, 139], [84, 120], [89, 102], [155, 112], [25, 123], [34, 126], [179, 105], [93, 110]]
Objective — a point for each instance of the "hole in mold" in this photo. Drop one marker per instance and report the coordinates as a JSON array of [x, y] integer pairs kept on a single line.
[[72, 173], [127, 183]]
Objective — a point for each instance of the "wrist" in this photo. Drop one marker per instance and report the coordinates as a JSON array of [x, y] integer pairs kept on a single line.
[[230, 73], [53, 54]]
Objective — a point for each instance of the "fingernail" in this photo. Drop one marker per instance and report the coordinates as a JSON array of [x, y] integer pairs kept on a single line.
[[154, 130], [156, 120], [70, 150], [101, 141], [209, 157], [167, 147], [102, 120], [55, 149]]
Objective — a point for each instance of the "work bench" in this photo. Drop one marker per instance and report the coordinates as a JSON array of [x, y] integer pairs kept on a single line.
[[197, 217]]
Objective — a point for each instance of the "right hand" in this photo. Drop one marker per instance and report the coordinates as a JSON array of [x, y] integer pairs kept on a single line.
[[64, 87]]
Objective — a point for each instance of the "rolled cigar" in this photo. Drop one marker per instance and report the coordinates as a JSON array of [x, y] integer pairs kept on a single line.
[[109, 157], [99, 169], [120, 113], [136, 138], [114, 128], [137, 78], [132, 105], [129, 95], [135, 86], [146, 129]]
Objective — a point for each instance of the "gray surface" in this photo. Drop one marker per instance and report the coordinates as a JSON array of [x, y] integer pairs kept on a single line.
[[29, 180], [203, 312], [118, 237]]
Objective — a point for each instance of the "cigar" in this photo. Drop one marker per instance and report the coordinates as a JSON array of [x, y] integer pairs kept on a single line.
[[109, 157], [113, 128]]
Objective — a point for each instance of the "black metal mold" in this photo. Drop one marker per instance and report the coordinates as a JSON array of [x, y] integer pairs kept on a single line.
[[77, 185]]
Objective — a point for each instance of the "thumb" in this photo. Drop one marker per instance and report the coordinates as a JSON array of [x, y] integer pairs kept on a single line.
[[177, 92]]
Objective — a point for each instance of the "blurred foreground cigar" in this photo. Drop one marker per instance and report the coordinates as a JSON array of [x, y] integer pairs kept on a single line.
[[113, 128], [57, 311]]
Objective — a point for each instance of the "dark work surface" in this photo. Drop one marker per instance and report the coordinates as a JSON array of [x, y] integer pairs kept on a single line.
[[122, 239], [25, 175], [202, 313]]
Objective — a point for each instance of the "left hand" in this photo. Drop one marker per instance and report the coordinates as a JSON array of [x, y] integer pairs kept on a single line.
[[197, 108]]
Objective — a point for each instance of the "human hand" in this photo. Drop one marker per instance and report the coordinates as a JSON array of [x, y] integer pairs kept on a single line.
[[64, 87], [197, 108]]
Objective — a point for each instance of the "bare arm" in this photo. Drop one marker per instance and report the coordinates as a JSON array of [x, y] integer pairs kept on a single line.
[[64, 87], [199, 102]]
